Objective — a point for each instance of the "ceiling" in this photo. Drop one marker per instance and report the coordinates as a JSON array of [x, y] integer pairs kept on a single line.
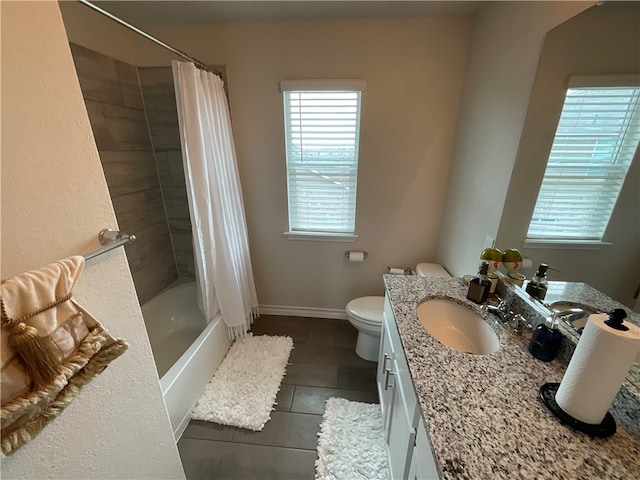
[[150, 13]]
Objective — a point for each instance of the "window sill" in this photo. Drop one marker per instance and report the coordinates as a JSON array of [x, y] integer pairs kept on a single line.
[[565, 244], [321, 236]]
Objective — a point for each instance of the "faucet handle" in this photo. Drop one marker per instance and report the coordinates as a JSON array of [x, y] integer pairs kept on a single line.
[[519, 323]]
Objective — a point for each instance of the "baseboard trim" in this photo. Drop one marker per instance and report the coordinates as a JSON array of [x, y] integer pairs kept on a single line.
[[303, 311]]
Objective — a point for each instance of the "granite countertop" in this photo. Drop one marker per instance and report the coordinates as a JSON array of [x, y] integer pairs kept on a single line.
[[482, 412]]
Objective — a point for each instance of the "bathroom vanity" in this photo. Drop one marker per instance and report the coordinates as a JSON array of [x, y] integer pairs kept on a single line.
[[451, 415]]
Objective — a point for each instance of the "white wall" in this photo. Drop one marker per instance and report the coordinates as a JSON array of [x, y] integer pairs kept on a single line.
[[572, 48], [413, 69], [54, 202], [505, 48]]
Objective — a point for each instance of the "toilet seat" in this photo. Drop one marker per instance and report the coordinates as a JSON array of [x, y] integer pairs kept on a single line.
[[367, 310]]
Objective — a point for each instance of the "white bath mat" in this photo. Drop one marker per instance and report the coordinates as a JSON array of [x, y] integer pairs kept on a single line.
[[351, 442], [243, 391]]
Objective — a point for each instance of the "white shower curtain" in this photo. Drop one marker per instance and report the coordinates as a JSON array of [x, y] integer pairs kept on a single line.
[[215, 199]]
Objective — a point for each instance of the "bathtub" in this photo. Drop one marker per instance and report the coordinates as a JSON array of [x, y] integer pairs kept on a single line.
[[186, 350]]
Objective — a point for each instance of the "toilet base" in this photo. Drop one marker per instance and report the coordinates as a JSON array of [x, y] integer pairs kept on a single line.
[[368, 346]]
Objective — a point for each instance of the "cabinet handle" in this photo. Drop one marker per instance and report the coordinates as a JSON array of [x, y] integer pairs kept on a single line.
[[388, 373], [384, 362]]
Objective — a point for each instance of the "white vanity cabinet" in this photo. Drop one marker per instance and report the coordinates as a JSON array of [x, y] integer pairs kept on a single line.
[[409, 450]]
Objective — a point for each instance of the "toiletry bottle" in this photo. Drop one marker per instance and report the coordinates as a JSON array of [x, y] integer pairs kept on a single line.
[[537, 286], [479, 286], [545, 341]]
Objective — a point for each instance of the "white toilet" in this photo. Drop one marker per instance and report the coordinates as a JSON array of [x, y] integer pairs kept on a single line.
[[366, 314]]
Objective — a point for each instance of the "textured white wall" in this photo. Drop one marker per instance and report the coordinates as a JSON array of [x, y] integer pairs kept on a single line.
[[414, 70], [54, 202], [503, 58]]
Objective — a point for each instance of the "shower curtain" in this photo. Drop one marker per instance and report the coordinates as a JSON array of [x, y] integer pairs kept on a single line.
[[215, 199]]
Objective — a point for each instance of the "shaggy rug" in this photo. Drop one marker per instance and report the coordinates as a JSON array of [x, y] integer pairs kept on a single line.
[[351, 442], [243, 391]]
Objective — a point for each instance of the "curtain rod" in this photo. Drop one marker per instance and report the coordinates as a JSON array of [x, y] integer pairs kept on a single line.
[[164, 45]]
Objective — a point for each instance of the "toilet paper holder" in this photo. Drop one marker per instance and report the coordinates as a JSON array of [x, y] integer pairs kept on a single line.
[[365, 254]]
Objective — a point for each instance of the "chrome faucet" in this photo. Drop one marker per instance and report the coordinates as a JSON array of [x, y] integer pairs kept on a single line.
[[576, 318], [569, 315], [500, 311], [515, 321]]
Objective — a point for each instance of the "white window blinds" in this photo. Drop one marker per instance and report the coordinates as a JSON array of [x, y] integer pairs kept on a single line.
[[595, 141], [322, 125]]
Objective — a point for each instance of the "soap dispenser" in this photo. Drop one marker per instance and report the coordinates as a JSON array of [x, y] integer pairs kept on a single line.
[[537, 286], [546, 339], [480, 285]]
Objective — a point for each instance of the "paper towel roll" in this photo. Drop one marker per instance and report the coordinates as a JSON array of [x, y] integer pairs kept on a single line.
[[526, 263], [356, 256], [396, 271], [597, 369]]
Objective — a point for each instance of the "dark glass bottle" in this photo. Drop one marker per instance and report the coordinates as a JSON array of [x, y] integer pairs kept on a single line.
[[537, 286], [479, 286]]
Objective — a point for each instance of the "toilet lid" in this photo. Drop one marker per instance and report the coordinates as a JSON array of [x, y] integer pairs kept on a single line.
[[367, 309]]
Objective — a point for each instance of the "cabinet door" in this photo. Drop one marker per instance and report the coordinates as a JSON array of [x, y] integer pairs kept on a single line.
[[423, 466], [402, 434], [385, 378]]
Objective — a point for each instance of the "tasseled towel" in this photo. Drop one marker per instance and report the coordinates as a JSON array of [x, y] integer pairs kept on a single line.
[[51, 347]]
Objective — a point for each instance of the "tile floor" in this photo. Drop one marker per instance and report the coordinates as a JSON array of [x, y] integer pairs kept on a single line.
[[323, 364]]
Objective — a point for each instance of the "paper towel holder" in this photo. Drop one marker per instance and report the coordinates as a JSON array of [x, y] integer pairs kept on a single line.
[[604, 429]]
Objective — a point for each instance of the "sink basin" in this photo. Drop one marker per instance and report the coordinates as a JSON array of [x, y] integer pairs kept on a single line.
[[457, 327]]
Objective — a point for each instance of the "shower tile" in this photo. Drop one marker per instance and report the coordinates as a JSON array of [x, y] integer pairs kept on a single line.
[[150, 76], [154, 277], [154, 242], [90, 63], [131, 211], [129, 171], [312, 399], [163, 125], [181, 263], [164, 173], [127, 128], [129, 85], [180, 225], [312, 375], [176, 167], [182, 241], [154, 201], [157, 88], [209, 431], [97, 75], [284, 429], [139, 210], [191, 266], [204, 459], [175, 210], [98, 124]]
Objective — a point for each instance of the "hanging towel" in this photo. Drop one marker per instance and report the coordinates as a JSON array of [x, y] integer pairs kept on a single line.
[[50, 348]]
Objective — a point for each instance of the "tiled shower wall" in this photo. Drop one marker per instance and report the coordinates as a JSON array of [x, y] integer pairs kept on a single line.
[[160, 104], [111, 91]]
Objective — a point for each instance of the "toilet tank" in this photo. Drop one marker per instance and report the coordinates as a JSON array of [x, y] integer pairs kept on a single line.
[[431, 270]]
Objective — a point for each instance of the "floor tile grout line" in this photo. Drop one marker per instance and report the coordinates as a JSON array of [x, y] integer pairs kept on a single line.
[[252, 444]]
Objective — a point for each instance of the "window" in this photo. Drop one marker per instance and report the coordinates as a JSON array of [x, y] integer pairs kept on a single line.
[[595, 141], [322, 126]]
